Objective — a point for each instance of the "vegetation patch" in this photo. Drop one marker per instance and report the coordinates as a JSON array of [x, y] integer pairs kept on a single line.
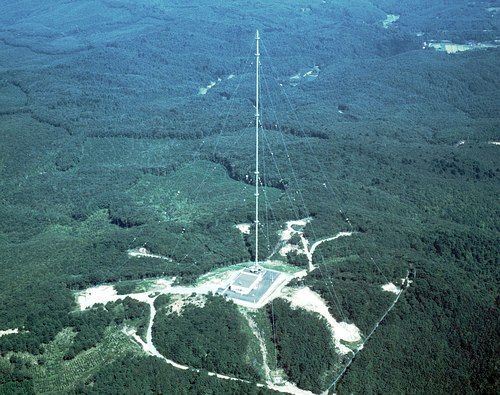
[[125, 287], [90, 325], [159, 377], [304, 345], [214, 338], [107, 147]]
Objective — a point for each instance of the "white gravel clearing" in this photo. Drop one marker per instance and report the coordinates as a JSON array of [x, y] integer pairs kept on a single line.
[[289, 388], [213, 282], [94, 295], [9, 332], [107, 293], [244, 228], [309, 300], [390, 287], [289, 231]]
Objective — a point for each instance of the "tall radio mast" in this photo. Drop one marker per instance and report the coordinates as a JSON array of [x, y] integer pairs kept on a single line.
[[257, 124]]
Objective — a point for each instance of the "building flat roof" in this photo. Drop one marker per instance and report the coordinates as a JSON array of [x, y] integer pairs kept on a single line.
[[246, 279], [268, 282]]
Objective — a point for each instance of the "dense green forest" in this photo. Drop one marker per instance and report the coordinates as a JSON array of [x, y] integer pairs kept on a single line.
[[210, 337], [304, 346], [107, 145], [151, 375]]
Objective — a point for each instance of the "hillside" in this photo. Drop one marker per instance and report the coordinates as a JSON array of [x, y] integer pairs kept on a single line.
[[128, 124]]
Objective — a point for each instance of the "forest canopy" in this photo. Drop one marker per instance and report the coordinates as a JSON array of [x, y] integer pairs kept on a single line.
[[129, 124]]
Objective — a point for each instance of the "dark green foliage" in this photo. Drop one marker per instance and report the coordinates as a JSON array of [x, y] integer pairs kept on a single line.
[[40, 309], [295, 239], [106, 146], [139, 375], [475, 252], [124, 288], [16, 378], [267, 241], [304, 345], [162, 300], [68, 158], [452, 315], [13, 386], [297, 259], [210, 338], [353, 289], [91, 324]]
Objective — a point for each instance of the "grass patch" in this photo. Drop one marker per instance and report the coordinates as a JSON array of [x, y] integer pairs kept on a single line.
[[281, 267], [352, 345]]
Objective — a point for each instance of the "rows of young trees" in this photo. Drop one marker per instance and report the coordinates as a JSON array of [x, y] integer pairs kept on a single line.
[[91, 324]]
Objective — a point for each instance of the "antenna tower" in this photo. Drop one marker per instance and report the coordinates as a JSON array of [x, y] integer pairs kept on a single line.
[[257, 124]]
